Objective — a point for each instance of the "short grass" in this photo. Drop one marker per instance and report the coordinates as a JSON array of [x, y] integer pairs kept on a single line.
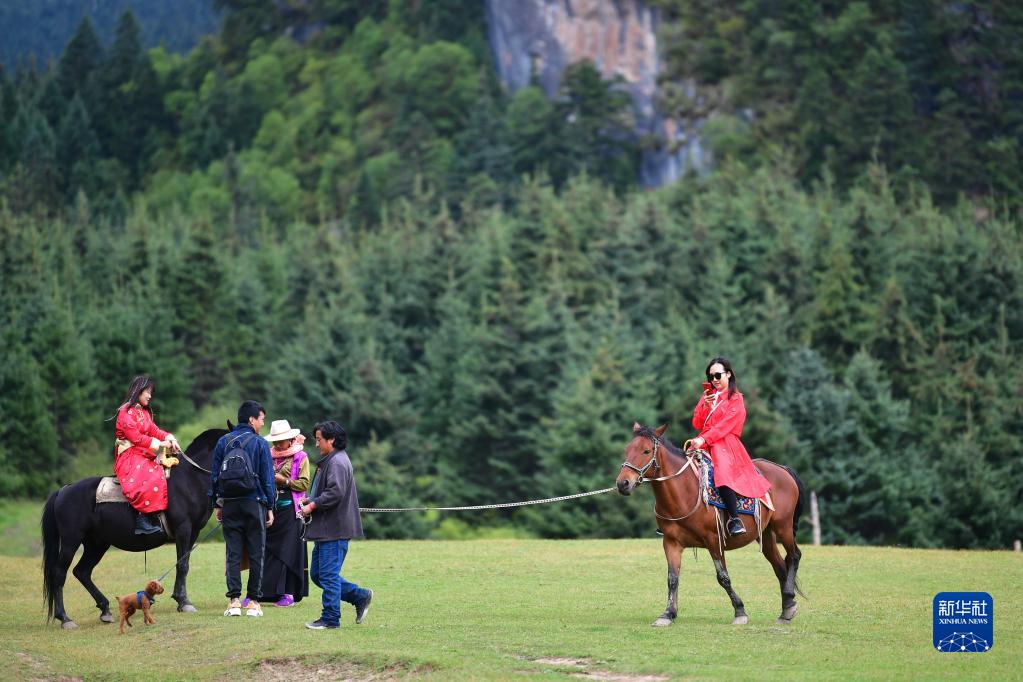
[[19, 527], [502, 609]]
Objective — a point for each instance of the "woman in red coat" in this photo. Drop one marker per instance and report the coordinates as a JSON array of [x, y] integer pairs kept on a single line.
[[137, 441], [719, 416]]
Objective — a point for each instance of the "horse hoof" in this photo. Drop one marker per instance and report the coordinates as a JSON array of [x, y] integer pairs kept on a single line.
[[788, 614], [187, 608], [741, 620], [69, 625], [783, 621], [662, 622], [106, 618]]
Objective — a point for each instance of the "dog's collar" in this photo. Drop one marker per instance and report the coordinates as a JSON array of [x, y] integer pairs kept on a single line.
[[142, 593]]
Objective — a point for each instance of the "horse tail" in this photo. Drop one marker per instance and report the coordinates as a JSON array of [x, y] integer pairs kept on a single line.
[[796, 513], [51, 551]]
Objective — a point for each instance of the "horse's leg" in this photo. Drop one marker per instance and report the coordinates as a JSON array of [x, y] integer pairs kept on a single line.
[[67, 555], [724, 581], [673, 553], [770, 549], [94, 551], [185, 539], [789, 607]]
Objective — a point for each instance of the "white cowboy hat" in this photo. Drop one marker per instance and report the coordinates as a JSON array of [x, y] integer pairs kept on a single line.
[[281, 430]]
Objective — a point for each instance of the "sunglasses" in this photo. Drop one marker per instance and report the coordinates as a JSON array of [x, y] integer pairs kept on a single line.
[[716, 375]]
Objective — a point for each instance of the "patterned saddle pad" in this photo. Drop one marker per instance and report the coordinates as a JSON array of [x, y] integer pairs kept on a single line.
[[746, 505]]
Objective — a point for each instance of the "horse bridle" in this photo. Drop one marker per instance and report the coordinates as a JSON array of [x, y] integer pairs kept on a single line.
[[653, 462]]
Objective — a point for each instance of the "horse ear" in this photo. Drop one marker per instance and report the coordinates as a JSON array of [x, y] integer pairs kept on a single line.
[[661, 429], [636, 427], [230, 426]]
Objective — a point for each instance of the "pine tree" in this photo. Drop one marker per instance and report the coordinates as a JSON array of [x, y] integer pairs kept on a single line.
[[64, 359], [83, 55], [838, 318], [892, 490], [34, 181], [483, 156], [195, 291], [598, 125], [823, 457], [51, 103], [130, 106], [27, 425], [77, 149], [534, 132]]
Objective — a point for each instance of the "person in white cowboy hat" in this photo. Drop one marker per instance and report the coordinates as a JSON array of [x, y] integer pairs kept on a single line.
[[285, 564]]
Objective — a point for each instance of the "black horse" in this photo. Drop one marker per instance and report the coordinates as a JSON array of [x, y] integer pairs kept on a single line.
[[71, 518]]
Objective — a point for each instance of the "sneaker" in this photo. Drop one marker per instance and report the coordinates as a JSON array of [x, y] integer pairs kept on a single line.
[[735, 526], [285, 601], [254, 609], [363, 608], [234, 608], [320, 624]]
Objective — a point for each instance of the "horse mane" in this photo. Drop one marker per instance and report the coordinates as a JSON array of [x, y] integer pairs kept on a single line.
[[205, 441], [651, 433]]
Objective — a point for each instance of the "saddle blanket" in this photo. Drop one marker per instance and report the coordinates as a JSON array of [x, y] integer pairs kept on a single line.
[[109, 490], [745, 505]]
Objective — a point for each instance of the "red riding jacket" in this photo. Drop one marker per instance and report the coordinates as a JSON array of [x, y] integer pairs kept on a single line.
[[721, 427]]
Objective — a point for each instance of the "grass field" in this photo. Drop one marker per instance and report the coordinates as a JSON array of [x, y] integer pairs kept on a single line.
[[501, 609]]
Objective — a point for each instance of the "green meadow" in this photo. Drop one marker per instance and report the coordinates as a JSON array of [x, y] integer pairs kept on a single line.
[[544, 609]]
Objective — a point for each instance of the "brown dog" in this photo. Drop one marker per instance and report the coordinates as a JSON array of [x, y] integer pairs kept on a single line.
[[128, 604]]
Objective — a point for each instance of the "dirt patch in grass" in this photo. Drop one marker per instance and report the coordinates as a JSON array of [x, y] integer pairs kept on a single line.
[[37, 671], [589, 673], [606, 676], [570, 662], [288, 669]]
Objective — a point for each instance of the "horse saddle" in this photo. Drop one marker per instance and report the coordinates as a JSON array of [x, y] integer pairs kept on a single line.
[[109, 490]]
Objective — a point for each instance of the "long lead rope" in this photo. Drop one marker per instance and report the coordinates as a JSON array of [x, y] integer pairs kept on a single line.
[[503, 505], [377, 510]]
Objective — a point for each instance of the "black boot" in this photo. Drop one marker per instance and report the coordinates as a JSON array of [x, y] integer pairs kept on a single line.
[[146, 524], [734, 525]]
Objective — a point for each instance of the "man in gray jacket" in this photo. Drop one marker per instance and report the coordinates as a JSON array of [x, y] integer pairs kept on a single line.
[[333, 513]]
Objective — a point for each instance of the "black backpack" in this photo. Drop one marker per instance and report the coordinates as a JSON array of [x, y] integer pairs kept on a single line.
[[236, 477]]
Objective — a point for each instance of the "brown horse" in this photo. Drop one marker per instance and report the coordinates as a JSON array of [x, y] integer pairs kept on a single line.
[[687, 522]]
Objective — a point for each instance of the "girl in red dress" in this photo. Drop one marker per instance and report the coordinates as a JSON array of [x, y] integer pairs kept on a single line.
[[138, 439], [719, 416]]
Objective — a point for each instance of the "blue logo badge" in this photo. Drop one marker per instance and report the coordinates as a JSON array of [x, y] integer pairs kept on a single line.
[[964, 622]]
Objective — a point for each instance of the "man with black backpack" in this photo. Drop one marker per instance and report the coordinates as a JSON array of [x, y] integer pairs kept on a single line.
[[242, 491]]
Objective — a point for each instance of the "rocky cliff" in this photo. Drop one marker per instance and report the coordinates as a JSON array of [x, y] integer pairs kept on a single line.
[[618, 36]]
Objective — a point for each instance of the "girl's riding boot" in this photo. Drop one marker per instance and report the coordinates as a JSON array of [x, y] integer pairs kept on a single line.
[[146, 524], [734, 525]]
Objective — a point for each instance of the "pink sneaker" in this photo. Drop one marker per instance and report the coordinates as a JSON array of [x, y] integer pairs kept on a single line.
[[286, 600]]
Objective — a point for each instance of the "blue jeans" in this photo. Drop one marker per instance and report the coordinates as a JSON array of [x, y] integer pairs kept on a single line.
[[325, 571]]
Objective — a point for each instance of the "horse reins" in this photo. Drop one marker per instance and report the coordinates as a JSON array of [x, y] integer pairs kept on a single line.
[[185, 555], [193, 462]]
